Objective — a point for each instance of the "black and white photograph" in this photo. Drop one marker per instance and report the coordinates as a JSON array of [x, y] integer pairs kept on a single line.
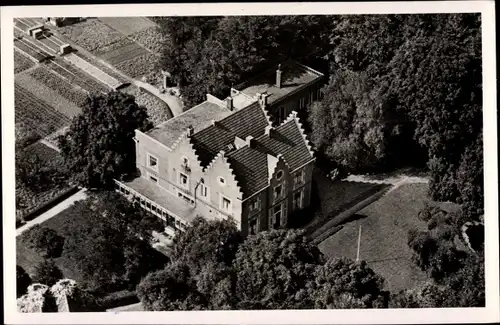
[[191, 160]]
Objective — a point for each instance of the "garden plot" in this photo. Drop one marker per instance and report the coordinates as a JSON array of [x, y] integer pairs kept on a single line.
[[48, 93], [34, 117], [71, 93], [30, 49], [139, 66], [50, 163], [21, 62], [150, 38], [125, 53], [91, 34], [158, 110], [76, 76], [103, 67], [127, 25], [93, 71]]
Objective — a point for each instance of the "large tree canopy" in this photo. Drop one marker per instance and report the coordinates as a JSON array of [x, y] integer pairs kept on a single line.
[[280, 269], [99, 145]]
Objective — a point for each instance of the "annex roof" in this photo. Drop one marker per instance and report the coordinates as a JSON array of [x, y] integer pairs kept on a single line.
[[294, 76], [199, 117]]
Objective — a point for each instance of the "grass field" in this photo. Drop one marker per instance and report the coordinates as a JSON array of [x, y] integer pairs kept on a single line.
[[27, 258], [384, 225], [329, 198]]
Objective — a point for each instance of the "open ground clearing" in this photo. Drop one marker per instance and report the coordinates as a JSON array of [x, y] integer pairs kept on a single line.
[[384, 228]]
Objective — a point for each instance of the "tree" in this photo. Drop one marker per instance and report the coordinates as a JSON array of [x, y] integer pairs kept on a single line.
[[44, 241], [23, 281], [353, 125], [343, 283], [273, 269], [140, 259], [47, 273], [207, 242], [426, 295], [98, 146], [168, 289]]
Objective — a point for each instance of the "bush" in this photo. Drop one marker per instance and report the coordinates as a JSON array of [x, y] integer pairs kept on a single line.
[[44, 241], [118, 298], [47, 273], [23, 281]]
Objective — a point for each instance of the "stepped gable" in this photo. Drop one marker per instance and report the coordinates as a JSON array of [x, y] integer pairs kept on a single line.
[[250, 163], [249, 121]]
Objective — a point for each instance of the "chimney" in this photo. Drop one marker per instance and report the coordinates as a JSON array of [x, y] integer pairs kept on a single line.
[[229, 103], [269, 130], [278, 76], [190, 130], [250, 141], [262, 97]]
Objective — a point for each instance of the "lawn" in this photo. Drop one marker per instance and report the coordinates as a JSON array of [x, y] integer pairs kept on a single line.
[[63, 223], [384, 227], [329, 198]]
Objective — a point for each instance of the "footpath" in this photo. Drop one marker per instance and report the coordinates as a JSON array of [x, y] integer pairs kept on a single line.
[[80, 195]]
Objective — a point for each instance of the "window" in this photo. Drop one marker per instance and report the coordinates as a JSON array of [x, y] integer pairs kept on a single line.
[[277, 216], [222, 181], [255, 204], [278, 192], [302, 102], [225, 204], [203, 191], [153, 178], [183, 180], [299, 178], [185, 161], [297, 199], [311, 96], [252, 227], [279, 174], [318, 94], [152, 162]]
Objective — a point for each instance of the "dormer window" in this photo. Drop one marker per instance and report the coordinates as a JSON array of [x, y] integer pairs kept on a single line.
[[279, 175]]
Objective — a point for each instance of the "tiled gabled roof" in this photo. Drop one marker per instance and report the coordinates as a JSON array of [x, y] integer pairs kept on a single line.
[[249, 121], [251, 164]]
